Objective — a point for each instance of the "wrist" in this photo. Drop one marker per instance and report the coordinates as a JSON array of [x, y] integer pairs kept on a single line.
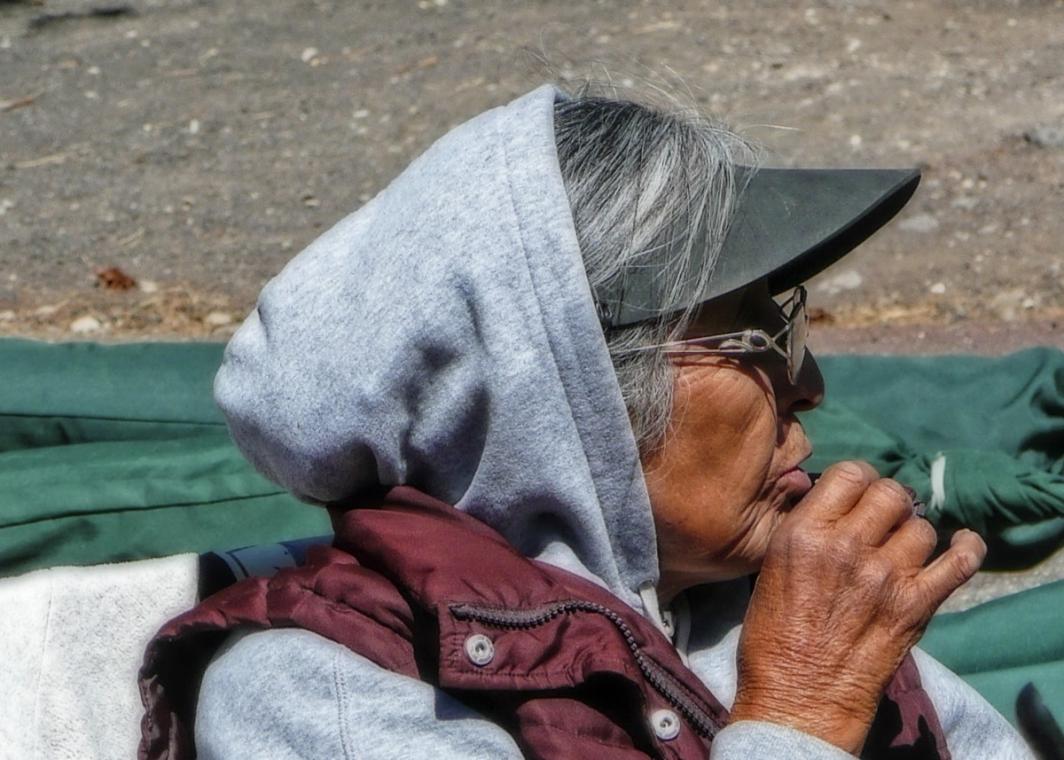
[[837, 726]]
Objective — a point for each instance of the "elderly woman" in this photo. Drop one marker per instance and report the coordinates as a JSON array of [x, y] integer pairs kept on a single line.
[[542, 383]]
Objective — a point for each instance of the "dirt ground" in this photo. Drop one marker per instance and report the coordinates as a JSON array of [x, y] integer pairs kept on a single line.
[[161, 159], [197, 146]]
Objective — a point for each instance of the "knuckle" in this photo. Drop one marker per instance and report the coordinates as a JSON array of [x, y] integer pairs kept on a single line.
[[913, 612], [890, 494], [877, 573], [804, 540], [846, 548], [850, 471], [963, 566], [925, 532]]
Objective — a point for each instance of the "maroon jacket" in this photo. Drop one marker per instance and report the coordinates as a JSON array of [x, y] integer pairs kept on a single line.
[[426, 591]]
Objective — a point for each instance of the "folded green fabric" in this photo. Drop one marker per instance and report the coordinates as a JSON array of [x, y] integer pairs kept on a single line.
[[995, 428], [1000, 646], [55, 394], [981, 440], [109, 501]]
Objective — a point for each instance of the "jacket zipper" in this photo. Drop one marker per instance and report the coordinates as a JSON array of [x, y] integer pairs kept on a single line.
[[665, 684]]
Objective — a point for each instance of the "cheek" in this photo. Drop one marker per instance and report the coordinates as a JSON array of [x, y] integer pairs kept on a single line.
[[714, 468], [739, 434]]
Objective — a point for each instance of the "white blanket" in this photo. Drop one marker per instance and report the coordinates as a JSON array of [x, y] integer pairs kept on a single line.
[[71, 643]]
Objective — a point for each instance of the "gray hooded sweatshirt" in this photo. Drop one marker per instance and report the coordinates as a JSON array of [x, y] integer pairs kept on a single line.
[[444, 337]]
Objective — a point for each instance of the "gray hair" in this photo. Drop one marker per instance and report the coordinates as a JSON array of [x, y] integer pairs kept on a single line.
[[644, 181]]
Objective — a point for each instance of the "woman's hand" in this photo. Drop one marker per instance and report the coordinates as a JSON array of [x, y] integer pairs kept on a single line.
[[842, 596]]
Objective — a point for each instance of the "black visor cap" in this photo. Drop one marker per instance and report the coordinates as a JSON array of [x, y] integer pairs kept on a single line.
[[789, 225]]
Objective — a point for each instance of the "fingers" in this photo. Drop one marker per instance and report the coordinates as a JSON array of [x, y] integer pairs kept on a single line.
[[884, 507], [838, 490], [912, 543], [956, 565]]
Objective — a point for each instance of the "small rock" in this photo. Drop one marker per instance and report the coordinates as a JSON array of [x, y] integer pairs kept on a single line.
[[1007, 303], [1045, 137], [86, 324], [965, 202], [919, 223], [193, 127], [114, 278], [218, 318], [848, 280], [310, 201], [6, 315], [938, 288], [308, 54], [149, 286]]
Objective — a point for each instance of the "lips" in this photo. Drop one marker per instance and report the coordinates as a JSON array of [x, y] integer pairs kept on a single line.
[[796, 481]]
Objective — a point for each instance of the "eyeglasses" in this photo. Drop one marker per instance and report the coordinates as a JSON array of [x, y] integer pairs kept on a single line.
[[789, 342]]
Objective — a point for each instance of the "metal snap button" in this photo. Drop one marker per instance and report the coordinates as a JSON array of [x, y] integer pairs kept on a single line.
[[666, 724], [479, 649]]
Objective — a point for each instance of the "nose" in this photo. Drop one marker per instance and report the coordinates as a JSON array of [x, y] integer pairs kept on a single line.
[[805, 393]]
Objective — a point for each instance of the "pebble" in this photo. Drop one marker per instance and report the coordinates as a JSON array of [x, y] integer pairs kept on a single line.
[[86, 324], [308, 54], [1045, 137], [1007, 304], [938, 288], [6, 315], [919, 223], [193, 127], [218, 318], [848, 280], [149, 286]]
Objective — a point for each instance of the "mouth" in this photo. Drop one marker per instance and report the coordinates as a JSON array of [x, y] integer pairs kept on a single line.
[[795, 482]]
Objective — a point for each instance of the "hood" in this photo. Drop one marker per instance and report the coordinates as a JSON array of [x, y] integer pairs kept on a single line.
[[444, 337]]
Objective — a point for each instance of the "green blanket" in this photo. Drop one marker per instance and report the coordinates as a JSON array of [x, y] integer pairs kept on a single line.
[[996, 427], [111, 453]]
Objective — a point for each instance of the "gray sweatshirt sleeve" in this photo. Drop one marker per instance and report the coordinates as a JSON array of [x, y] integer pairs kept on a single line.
[[290, 694], [287, 694], [974, 729], [753, 738]]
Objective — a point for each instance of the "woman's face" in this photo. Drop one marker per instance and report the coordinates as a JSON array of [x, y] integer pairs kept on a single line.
[[728, 470]]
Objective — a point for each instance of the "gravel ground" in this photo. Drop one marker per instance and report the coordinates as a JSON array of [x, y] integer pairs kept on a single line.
[[161, 159]]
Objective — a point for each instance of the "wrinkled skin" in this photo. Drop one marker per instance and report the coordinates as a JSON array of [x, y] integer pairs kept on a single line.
[[715, 485], [843, 593]]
